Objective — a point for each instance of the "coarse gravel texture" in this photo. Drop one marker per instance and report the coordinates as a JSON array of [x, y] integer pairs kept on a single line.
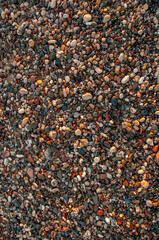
[[79, 119]]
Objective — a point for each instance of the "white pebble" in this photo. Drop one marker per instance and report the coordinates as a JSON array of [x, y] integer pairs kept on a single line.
[[73, 43], [140, 171], [125, 79], [141, 80], [21, 111], [53, 4], [107, 220], [121, 57], [96, 159]]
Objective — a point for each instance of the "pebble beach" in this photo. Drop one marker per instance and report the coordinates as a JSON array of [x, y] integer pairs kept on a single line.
[[79, 120]]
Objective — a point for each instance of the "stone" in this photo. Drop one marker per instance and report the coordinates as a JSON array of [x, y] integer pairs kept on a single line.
[[54, 182], [106, 18], [144, 184], [23, 91], [53, 4], [149, 141], [87, 96], [98, 70], [31, 43], [100, 98], [3, 15], [113, 149], [55, 190], [149, 203], [125, 79], [87, 233], [87, 18], [25, 120], [73, 43], [126, 124], [121, 57], [52, 134], [103, 176], [109, 176], [30, 172], [21, 111], [83, 142], [141, 171], [78, 132], [96, 159], [65, 15], [108, 220], [157, 157]]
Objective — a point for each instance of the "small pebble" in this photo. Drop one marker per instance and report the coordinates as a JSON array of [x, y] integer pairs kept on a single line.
[[87, 18], [87, 96], [106, 18], [78, 132]]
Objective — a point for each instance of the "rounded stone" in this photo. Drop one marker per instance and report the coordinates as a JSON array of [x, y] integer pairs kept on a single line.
[[23, 91], [53, 4], [78, 132], [144, 184], [113, 149], [31, 43], [87, 18], [106, 18], [21, 111], [87, 96], [73, 43], [125, 79]]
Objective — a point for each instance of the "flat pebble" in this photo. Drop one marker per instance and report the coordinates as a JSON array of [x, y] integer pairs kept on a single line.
[[87, 96], [23, 91]]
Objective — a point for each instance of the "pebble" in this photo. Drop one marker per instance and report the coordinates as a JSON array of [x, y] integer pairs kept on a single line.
[[126, 124], [53, 3], [73, 43], [149, 203], [113, 149], [157, 157], [23, 91], [83, 142], [87, 18], [149, 141], [87, 96], [96, 160], [98, 70], [125, 79], [140, 171], [106, 18], [79, 91], [31, 43], [108, 220], [144, 184], [78, 132], [21, 111]]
